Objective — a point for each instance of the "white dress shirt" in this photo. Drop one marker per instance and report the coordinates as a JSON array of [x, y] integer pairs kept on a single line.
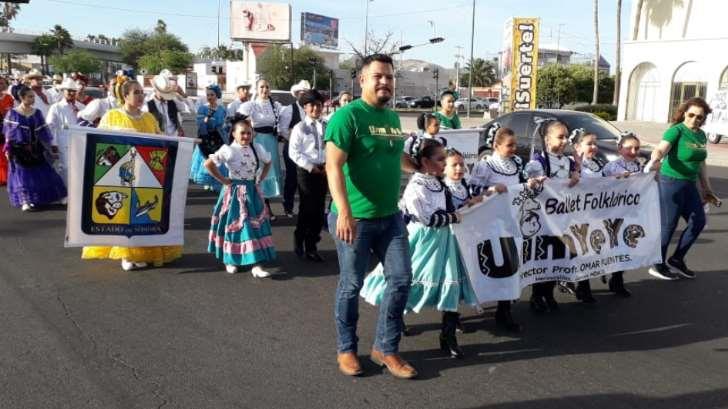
[[306, 147], [60, 116], [97, 108]]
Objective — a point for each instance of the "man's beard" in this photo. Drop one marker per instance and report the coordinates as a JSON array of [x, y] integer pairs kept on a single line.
[[384, 99]]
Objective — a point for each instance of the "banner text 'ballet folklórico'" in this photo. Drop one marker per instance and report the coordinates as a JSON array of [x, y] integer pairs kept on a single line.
[[127, 189], [524, 236]]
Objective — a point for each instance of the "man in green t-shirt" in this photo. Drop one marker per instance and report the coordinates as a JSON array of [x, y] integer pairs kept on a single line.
[[363, 164]]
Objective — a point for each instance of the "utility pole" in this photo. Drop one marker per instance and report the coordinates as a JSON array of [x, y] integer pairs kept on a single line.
[[218, 23], [472, 46], [458, 57], [366, 27], [558, 43]]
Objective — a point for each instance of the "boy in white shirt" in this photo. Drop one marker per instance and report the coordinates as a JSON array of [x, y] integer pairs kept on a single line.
[[306, 150]]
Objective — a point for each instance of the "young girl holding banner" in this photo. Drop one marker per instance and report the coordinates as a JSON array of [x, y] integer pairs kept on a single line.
[[493, 175], [552, 163], [439, 279]]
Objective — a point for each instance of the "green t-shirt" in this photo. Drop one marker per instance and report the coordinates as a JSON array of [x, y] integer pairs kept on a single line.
[[687, 152], [452, 122], [372, 138]]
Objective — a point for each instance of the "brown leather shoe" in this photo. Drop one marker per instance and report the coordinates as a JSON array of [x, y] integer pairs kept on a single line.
[[349, 364], [398, 367]]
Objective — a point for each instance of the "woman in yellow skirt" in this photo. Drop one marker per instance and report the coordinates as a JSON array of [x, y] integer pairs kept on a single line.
[[131, 118]]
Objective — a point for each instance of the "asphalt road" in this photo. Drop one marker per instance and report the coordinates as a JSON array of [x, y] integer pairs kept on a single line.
[[85, 334]]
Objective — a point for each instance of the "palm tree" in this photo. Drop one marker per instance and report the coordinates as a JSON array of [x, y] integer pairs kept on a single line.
[[595, 92], [43, 46], [9, 12], [618, 59], [483, 73], [637, 18], [63, 38]]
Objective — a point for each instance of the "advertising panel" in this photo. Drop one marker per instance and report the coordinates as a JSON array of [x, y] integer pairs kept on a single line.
[[257, 21], [523, 55], [320, 31]]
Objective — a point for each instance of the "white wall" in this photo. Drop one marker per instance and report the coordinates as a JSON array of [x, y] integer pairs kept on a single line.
[[672, 34]]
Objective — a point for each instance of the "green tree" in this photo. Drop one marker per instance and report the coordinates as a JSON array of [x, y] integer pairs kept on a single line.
[[138, 46], [62, 37], [156, 61], [75, 61], [220, 53], [275, 66], [567, 84], [7, 14], [43, 46], [484, 74], [555, 87]]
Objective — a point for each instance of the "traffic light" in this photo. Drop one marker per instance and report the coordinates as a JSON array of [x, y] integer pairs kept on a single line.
[[353, 73]]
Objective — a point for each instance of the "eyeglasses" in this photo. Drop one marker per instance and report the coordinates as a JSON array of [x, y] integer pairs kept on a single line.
[[696, 116]]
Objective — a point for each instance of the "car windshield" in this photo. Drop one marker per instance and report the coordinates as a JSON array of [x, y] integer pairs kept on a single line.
[[591, 123]]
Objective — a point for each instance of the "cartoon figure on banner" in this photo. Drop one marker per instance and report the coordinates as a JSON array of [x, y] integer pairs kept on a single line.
[[126, 171], [148, 206], [109, 157], [529, 219], [109, 203]]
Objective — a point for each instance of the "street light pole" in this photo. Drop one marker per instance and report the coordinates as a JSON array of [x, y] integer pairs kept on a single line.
[[472, 44], [218, 23], [366, 27]]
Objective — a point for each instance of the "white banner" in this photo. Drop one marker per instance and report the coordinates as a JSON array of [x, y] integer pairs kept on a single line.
[[600, 226], [126, 189], [466, 141]]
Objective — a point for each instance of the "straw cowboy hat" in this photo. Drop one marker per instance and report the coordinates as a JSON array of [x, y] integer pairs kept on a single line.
[[33, 73], [164, 84], [302, 85], [68, 84]]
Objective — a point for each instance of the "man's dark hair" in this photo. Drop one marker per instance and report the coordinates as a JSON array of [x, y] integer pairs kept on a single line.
[[310, 96], [382, 58]]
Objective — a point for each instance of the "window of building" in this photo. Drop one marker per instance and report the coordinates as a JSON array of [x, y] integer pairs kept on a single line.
[[689, 81]]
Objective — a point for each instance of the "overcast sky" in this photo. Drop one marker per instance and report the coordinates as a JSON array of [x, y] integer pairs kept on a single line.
[[410, 21]]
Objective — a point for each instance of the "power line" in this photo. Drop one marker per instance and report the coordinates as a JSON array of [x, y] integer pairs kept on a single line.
[[96, 6]]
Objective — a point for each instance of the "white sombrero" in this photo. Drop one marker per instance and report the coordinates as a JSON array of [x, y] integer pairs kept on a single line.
[[302, 85]]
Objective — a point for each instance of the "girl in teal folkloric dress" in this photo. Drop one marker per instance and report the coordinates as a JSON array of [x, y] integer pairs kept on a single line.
[[439, 279]]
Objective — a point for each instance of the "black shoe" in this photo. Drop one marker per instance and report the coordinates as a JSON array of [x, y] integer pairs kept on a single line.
[[663, 272], [504, 319], [616, 285], [538, 304], [584, 293], [298, 248], [314, 256], [682, 268], [448, 342]]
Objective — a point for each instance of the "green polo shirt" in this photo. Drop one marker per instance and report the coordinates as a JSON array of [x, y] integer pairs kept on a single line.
[[373, 141], [687, 152]]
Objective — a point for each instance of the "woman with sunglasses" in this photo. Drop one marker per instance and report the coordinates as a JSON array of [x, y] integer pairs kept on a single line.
[[684, 153]]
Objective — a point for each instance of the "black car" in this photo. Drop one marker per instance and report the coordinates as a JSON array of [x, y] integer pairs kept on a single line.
[[524, 123], [422, 102]]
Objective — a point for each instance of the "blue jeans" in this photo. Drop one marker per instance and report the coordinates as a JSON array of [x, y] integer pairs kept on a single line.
[[386, 238], [680, 198]]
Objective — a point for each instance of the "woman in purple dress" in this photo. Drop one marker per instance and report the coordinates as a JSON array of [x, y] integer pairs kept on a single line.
[[31, 180]]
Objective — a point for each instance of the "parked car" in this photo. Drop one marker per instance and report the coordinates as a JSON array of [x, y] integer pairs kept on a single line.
[[524, 123], [95, 92], [403, 102], [476, 104], [422, 102]]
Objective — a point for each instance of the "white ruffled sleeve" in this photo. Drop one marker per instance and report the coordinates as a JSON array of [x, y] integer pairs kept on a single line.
[[222, 156], [263, 154]]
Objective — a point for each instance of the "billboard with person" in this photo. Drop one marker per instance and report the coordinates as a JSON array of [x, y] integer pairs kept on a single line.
[[320, 31], [257, 21]]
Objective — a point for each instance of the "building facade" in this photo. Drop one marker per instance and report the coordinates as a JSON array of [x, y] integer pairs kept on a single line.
[[677, 53]]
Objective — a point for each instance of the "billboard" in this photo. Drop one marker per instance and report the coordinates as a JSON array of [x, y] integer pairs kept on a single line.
[[256, 21], [320, 31], [522, 72]]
